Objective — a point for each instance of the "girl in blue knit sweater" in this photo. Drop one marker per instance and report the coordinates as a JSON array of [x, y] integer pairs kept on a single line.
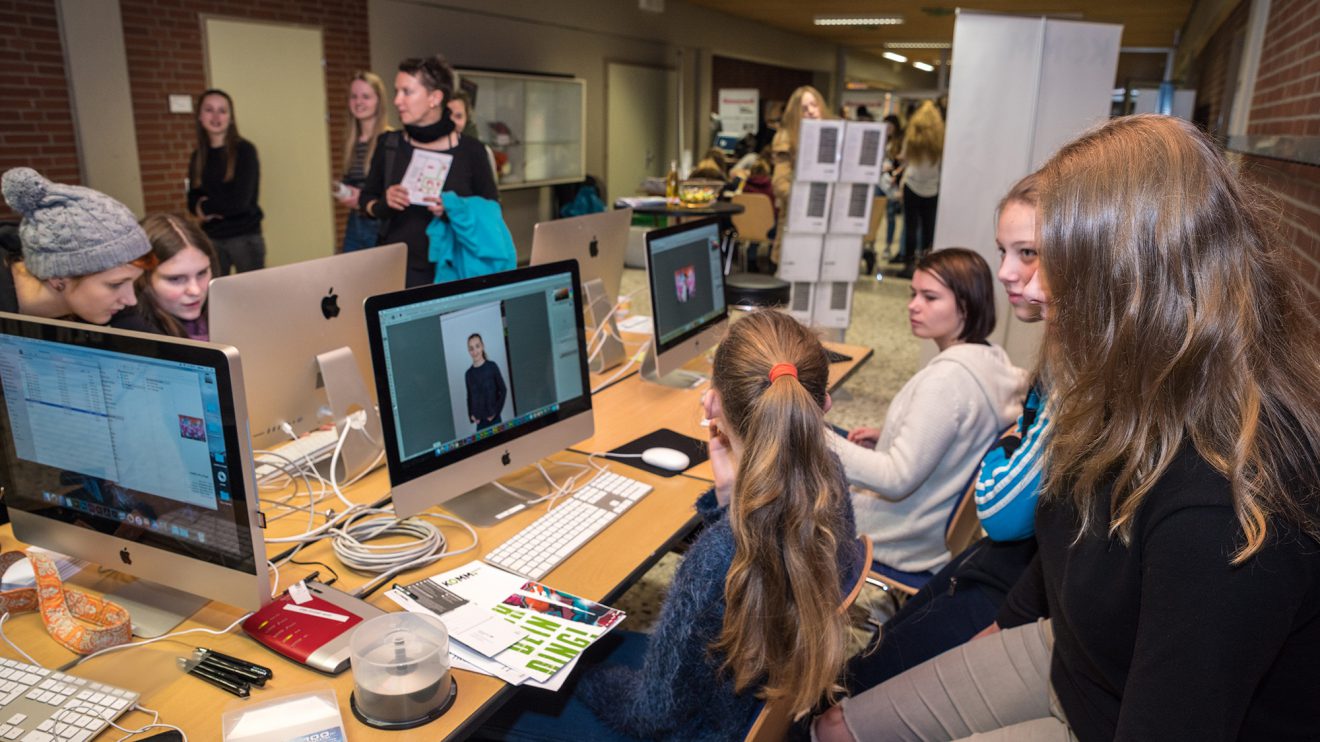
[[753, 609]]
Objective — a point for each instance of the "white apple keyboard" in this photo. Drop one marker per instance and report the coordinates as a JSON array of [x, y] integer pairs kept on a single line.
[[316, 445], [40, 705], [553, 537]]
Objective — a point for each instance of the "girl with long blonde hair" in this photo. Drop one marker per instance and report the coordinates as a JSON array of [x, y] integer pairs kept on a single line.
[[921, 155], [753, 611], [805, 103], [1176, 593], [366, 122]]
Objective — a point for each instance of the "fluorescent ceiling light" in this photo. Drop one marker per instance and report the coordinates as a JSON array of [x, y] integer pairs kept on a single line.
[[894, 57], [858, 20], [918, 45], [923, 66]]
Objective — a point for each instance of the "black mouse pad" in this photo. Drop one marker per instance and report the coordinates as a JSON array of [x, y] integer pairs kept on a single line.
[[663, 438]]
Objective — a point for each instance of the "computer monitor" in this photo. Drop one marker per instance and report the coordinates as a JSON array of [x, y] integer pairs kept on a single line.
[[300, 330], [131, 450], [442, 355], [598, 242], [688, 311]]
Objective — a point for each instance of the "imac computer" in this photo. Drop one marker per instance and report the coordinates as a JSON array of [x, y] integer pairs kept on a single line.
[[598, 242], [685, 270], [131, 451], [300, 330], [477, 378]]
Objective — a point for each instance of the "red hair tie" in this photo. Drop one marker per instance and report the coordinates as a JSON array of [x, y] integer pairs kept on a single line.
[[782, 369]]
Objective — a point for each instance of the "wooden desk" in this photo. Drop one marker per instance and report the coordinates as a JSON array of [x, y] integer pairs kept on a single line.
[[601, 569]]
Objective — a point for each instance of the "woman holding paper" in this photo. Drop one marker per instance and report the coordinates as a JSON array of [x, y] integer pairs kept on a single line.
[[422, 89]]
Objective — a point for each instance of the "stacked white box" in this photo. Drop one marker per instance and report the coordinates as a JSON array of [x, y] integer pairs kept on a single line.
[[820, 144], [800, 300], [863, 155], [809, 207], [839, 163], [839, 256], [850, 210], [832, 304], [799, 257]]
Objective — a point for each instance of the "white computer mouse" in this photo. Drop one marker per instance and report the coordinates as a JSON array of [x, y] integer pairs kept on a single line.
[[666, 458]]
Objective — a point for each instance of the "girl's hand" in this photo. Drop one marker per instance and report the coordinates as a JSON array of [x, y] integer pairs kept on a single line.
[[202, 216], [351, 198], [721, 451], [396, 197], [434, 205], [864, 437]]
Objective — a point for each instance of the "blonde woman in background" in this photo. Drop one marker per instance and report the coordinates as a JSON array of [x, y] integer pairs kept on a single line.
[[805, 103], [366, 122], [922, 152]]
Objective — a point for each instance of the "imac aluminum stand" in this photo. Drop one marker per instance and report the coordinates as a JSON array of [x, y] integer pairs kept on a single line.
[[155, 609], [678, 379], [598, 310], [488, 504], [347, 396]]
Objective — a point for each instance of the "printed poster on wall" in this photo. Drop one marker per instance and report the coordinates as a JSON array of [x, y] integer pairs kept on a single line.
[[737, 110]]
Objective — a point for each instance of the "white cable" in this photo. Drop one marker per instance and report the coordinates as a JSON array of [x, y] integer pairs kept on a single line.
[[275, 583], [117, 647], [391, 559], [5, 636], [156, 723]]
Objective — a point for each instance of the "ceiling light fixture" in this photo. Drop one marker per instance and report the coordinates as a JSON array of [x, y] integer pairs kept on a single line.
[[923, 66], [894, 57], [857, 20], [918, 45]]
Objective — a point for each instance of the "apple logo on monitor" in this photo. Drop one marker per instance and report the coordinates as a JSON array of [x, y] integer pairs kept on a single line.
[[593, 249], [330, 304], [125, 557], [505, 459]]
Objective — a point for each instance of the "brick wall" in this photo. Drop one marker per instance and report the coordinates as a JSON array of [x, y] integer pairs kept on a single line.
[[1287, 102], [163, 41], [36, 116]]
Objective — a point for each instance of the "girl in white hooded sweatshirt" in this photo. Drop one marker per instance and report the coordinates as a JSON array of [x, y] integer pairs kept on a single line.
[[907, 475]]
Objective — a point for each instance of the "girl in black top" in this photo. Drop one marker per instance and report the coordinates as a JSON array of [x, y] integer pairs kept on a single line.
[[422, 89], [485, 386], [1176, 590], [225, 178]]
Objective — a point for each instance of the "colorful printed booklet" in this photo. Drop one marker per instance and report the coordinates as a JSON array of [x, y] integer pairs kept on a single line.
[[426, 175], [505, 625]]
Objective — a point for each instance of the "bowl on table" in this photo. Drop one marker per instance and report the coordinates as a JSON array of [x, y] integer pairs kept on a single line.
[[699, 192]]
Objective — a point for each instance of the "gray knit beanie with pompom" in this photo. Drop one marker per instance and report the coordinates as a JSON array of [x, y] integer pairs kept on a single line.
[[68, 230]]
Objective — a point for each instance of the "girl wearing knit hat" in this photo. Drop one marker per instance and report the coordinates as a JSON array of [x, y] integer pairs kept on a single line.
[[81, 251]]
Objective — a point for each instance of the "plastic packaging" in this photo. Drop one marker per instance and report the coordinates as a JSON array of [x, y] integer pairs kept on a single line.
[[401, 675]]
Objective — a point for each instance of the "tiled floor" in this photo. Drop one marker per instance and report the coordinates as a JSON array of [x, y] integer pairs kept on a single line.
[[880, 322]]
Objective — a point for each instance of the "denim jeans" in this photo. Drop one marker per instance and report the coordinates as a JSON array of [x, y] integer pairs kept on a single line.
[[361, 232]]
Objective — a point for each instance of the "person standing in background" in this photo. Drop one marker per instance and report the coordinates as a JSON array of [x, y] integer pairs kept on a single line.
[[224, 178], [422, 89], [366, 123], [805, 103], [923, 150]]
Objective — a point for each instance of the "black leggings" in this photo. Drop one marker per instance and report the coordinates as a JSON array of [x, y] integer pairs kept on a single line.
[[918, 224]]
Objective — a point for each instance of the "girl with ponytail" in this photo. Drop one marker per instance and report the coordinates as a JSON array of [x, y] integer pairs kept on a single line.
[[753, 610]]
